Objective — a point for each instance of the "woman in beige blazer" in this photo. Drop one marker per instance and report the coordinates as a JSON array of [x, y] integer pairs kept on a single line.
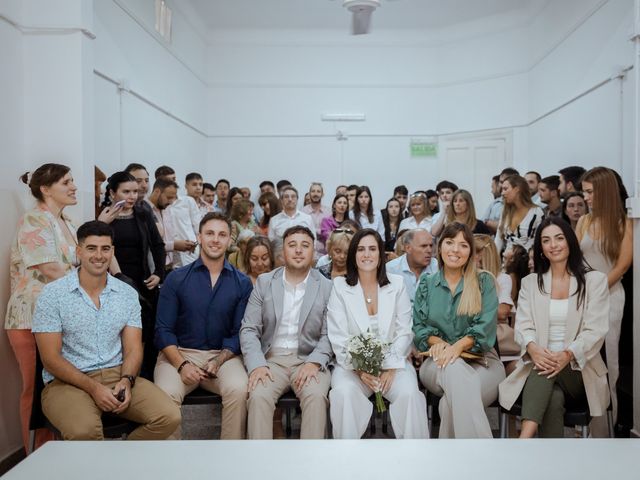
[[368, 298], [561, 322]]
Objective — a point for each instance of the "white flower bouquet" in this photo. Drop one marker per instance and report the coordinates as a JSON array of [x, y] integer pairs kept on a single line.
[[367, 353]]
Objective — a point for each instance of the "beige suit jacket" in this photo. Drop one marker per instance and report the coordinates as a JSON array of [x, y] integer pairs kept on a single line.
[[586, 329]]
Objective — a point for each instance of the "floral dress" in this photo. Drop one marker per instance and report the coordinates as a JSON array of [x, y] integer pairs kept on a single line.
[[39, 240]]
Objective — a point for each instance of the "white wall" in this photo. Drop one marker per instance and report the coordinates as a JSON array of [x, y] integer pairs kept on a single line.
[[268, 90], [12, 162], [169, 75]]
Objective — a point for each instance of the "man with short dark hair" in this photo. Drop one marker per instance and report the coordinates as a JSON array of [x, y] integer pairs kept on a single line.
[[549, 195], [445, 190], [418, 259], [194, 186], [186, 218], [341, 190], [570, 179], [494, 210], [141, 175], [317, 211], [289, 216], [533, 179], [401, 194], [267, 186], [284, 339], [222, 192], [199, 315], [281, 184], [89, 333], [165, 171], [209, 195], [352, 191], [163, 195]]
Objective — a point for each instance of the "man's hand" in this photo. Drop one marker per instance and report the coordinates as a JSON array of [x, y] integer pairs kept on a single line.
[[184, 245], [104, 398], [191, 374], [123, 384], [260, 374], [305, 374]]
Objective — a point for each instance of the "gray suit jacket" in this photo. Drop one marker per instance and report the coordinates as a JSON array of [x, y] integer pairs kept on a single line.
[[264, 312]]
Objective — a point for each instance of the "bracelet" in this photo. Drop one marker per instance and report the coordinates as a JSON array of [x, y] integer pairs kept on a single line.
[[182, 365]]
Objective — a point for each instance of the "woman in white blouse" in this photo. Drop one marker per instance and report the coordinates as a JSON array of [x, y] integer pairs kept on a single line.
[[520, 216], [420, 213], [561, 322], [368, 298], [364, 214]]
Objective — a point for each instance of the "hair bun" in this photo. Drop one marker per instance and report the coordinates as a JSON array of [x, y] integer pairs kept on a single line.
[[25, 178]]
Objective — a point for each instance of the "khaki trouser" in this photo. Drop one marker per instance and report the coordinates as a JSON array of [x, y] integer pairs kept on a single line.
[[74, 412], [231, 385], [313, 399]]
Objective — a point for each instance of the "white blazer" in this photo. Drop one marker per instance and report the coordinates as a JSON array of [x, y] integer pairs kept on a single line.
[[347, 316]]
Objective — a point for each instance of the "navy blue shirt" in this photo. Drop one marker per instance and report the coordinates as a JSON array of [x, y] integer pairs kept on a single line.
[[192, 314]]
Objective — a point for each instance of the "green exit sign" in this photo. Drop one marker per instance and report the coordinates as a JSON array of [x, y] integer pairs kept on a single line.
[[424, 149]]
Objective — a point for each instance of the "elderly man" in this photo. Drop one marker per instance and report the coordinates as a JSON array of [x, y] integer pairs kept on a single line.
[[284, 339], [417, 259], [88, 328]]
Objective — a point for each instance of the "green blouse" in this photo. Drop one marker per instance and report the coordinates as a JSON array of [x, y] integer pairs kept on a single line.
[[435, 313]]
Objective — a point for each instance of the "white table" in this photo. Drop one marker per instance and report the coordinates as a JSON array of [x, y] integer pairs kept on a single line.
[[582, 459]]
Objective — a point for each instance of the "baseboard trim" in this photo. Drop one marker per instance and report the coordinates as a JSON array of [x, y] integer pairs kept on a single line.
[[11, 460], [634, 433]]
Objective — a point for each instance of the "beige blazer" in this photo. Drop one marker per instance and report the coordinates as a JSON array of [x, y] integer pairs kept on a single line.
[[586, 329], [347, 316]]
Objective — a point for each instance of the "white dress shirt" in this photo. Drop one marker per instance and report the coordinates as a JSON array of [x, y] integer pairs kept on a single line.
[[186, 219], [377, 224], [286, 335], [280, 222]]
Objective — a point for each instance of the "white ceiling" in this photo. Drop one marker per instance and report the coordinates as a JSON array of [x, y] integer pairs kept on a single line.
[[329, 14]]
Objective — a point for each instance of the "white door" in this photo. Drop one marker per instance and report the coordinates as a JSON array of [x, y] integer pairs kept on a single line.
[[471, 162]]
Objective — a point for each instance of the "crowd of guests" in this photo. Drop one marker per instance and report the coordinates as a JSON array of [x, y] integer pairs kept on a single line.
[[166, 292]]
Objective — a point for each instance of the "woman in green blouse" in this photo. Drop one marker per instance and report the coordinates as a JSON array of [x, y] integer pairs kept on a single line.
[[455, 310]]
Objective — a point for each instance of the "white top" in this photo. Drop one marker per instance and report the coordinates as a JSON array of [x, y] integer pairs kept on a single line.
[[186, 220], [557, 324], [280, 222], [377, 224], [373, 320], [524, 233], [286, 335], [504, 288], [410, 223]]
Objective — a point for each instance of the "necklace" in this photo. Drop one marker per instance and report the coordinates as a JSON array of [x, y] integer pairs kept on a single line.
[[368, 299]]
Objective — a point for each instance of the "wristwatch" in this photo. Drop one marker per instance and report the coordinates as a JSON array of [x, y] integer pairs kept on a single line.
[[131, 378]]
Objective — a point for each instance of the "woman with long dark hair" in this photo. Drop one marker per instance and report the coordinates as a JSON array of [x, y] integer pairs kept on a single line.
[[391, 218], [135, 238], [44, 249], [339, 212], [270, 207], [363, 212], [561, 322], [606, 240], [455, 311], [369, 299]]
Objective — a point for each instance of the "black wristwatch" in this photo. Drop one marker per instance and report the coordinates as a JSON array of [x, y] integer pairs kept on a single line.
[[131, 378]]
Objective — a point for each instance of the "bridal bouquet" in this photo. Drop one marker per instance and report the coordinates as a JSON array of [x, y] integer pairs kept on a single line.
[[367, 353]]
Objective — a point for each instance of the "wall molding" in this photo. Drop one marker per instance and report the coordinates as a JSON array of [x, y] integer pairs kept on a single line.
[[47, 30]]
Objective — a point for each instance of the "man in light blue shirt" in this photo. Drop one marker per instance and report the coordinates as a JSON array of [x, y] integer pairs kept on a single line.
[[88, 329], [417, 259]]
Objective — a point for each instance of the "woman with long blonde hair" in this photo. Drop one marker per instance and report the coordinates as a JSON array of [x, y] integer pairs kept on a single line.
[[606, 240], [520, 216], [454, 312]]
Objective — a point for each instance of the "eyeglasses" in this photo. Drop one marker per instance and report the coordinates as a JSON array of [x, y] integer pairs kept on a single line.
[[344, 230]]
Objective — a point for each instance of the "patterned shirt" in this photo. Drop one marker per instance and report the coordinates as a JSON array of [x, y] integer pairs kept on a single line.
[[39, 240], [90, 335]]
